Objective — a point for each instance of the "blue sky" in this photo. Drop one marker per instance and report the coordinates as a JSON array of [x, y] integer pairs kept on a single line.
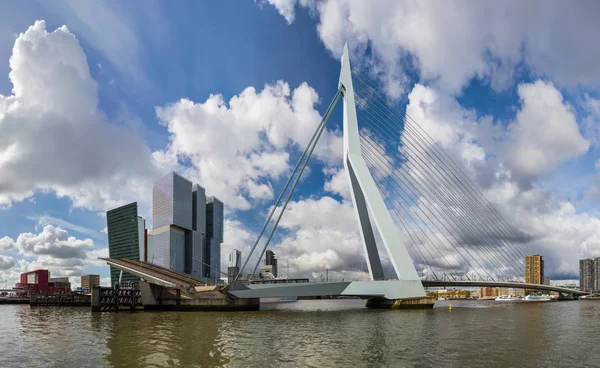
[[144, 58]]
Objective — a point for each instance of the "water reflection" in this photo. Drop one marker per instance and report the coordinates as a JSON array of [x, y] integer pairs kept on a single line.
[[307, 333], [152, 339]]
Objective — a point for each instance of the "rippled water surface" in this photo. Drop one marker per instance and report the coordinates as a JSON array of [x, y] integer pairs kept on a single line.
[[328, 333]]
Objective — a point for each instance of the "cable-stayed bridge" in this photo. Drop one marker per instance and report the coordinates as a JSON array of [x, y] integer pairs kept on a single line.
[[433, 224], [436, 226]]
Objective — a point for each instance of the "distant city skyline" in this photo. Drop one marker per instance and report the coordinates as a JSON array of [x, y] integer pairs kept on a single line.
[[186, 235]]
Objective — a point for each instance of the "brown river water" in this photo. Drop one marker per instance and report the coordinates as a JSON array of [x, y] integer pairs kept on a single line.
[[319, 333]]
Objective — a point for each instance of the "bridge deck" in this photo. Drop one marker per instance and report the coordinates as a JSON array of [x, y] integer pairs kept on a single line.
[[153, 273], [502, 284], [391, 289]]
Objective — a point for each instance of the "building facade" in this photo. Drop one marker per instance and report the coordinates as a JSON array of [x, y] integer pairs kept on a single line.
[[89, 281], [586, 274], [270, 260], [214, 236], [187, 227], [596, 273], [39, 281], [233, 265], [534, 269], [126, 238]]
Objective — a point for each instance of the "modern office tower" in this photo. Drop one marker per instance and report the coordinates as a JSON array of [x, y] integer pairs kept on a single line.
[[534, 269], [89, 281], [187, 228], [125, 238], [214, 236], [270, 260], [143, 239], [198, 230], [597, 274], [586, 274], [233, 266], [172, 221]]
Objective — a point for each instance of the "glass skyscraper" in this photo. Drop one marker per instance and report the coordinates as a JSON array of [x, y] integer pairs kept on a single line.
[[187, 228], [214, 235], [125, 238]]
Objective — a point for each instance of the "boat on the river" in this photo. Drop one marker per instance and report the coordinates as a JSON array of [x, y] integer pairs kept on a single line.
[[509, 298], [537, 298]]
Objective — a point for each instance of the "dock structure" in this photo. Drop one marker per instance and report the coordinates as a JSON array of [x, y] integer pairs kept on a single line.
[[106, 299], [164, 289], [60, 300]]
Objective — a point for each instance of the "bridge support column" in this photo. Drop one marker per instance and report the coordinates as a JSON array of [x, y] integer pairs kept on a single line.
[[565, 296], [408, 303]]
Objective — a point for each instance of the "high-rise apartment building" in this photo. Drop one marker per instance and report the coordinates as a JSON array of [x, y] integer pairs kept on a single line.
[[172, 221], [89, 281], [270, 260], [187, 227], [233, 264], [126, 238], [596, 274], [534, 269], [214, 235], [586, 274]]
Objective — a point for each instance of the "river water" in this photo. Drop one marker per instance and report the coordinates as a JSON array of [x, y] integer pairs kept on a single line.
[[327, 333]]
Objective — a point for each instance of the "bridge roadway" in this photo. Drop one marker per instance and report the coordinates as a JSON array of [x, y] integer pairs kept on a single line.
[[391, 289], [501, 284]]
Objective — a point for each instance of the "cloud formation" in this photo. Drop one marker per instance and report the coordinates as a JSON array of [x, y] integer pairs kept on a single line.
[[52, 135], [450, 43], [237, 148]]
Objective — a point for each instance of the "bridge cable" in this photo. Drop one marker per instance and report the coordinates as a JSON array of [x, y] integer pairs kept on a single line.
[[408, 134], [456, 202], [428, 190], [316, 135], [473, 188], [311, 146], [371, 123]]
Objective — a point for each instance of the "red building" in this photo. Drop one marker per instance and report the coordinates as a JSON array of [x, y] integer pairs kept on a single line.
[[38, 281]]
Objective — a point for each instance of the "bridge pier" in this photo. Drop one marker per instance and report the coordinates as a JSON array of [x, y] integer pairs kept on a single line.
[[565, 296], [408, 303], [209, 298]]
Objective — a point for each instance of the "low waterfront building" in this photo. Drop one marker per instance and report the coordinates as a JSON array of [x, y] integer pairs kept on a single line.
[[39, 281], [60, 282], [89, 281]]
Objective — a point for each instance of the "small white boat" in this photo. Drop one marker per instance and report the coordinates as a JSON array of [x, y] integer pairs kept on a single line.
[[508, 298], [284, 299], [537, 298]]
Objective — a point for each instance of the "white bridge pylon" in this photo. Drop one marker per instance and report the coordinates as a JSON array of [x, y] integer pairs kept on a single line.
[[365, 195], [368, 202]]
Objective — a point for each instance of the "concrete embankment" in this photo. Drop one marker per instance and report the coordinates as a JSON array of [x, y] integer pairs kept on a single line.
[[410, 303], [202, 298]]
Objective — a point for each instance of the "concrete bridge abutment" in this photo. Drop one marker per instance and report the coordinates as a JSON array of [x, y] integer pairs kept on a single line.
[[407, 303]]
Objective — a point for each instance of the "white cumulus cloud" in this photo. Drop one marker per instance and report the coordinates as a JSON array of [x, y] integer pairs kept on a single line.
[[452, 42], [54, 137]]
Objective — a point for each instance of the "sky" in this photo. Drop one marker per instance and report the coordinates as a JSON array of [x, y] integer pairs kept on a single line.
[[99, 99]]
